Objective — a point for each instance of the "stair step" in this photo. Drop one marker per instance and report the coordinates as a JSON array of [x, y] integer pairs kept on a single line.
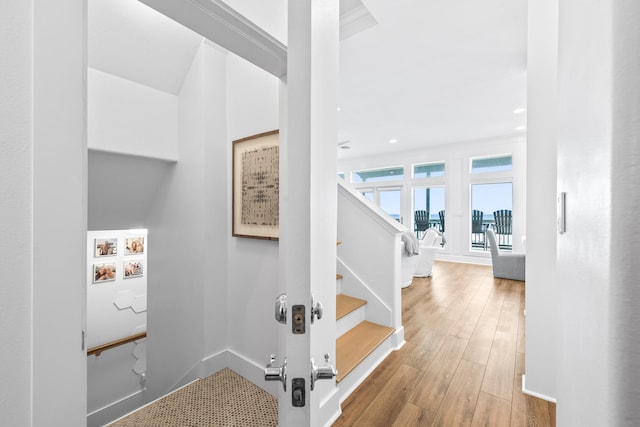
[[354, 346], [346, 304], [339, 276]]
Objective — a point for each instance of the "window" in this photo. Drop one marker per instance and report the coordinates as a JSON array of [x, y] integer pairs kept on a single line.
[[491, 207], [341, 175], [428, 202], [428, 170], [376, 175], [491, 164], [391, 202]]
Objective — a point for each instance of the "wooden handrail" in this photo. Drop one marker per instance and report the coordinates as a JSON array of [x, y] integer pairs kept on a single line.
[[100, 348]]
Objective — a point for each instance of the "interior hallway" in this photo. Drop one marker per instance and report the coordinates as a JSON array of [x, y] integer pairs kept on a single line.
[[463, 360]]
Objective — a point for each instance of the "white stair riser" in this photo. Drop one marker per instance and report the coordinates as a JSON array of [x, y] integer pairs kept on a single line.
[[348, 322], [338, 286]]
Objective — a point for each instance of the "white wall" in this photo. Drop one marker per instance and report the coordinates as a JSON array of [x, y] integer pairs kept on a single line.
[[252, 105], [542, 291], [457, 178], [188, 277], [15, 216], [127, 117]]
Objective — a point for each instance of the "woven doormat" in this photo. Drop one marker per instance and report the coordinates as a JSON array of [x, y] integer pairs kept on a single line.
[[223, 399]]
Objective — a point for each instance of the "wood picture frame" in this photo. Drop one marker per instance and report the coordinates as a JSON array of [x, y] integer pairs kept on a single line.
[[256, 186]]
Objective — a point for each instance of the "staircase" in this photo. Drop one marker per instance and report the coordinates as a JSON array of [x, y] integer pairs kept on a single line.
[[368, 298], [357, 340]]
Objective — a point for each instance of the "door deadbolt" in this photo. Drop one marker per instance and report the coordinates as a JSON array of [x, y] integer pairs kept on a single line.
[[298, 324]]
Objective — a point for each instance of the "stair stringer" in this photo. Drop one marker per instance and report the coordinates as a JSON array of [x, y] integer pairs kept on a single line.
[[351, 284]]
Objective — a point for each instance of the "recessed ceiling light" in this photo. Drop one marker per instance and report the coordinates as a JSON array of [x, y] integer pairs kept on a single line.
[[338, 108], [393, 141], [521, 128], [519, 111]]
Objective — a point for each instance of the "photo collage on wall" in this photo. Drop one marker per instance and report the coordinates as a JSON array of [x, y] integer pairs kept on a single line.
[[105, 271]]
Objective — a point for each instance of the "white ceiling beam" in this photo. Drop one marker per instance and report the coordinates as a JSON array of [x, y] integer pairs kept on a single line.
[[216, 21]]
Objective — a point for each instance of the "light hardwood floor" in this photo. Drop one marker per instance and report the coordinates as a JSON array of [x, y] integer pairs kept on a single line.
[[463, 360]]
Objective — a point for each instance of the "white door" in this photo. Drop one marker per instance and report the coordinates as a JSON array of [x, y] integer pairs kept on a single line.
[[308, 208]]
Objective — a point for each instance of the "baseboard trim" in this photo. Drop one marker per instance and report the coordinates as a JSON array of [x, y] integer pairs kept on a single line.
[[535, 394]]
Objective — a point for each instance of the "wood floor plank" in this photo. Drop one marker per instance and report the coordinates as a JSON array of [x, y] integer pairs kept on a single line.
[[386, 407], [481, 340], [518, 400], [438, 376], [537, 412], [459, 404], [491, 411], [412, 415], [501, 366]]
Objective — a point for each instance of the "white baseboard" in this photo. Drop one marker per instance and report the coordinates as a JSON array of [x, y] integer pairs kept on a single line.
[[465, 259], [109, 413], [535, 394]]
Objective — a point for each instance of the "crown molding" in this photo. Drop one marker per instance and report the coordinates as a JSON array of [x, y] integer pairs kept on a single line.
[[217, 22]]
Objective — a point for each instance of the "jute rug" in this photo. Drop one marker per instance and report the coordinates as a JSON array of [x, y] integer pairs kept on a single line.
[[223, 399]]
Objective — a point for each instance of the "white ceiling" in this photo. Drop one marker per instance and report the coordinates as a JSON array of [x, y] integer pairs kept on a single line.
[[429, 72]]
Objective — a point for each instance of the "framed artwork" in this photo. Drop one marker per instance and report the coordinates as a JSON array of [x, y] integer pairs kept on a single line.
[[104, 272], [106, 247], [133, 269], [255, 186], [134, 245]]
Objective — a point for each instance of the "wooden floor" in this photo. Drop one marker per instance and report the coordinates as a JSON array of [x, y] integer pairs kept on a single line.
[[463, 360]]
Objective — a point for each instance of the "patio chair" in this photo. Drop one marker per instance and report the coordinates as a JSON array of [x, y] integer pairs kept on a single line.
[[503, 228], [505, 265], [477, 229], [441, 215], [420, 222]]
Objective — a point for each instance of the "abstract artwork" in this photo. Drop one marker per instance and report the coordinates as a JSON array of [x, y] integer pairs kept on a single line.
[[256, 186]]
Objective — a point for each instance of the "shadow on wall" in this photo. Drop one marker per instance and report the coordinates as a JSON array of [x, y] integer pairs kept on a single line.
[[122, 188]]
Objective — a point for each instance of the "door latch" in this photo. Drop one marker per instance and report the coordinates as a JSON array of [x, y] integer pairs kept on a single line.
[[316, 309], [327, 372], [281, 309], [276, 373]]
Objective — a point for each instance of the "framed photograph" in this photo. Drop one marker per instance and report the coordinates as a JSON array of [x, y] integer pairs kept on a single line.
[[104, 272], [133, 268], [255, 186], [106, 247], [134, 245]]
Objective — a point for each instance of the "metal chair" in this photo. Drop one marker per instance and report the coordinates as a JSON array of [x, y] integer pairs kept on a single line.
[[503, 228]]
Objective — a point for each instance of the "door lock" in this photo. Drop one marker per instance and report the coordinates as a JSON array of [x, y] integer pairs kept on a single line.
[[276, 373], [297, 392], [327, 372]]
